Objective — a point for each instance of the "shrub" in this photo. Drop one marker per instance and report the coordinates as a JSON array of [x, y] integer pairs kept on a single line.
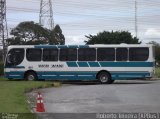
[[1, 68]]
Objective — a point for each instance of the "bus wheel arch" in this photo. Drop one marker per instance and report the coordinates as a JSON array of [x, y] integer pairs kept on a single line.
[[30, 75], [107, 77]]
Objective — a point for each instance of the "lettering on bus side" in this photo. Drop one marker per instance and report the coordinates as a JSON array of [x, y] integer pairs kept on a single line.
[[50, 66], [43, 66], [57, 66]]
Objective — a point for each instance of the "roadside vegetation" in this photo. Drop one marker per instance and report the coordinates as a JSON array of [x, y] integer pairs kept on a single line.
[[13, 98], [157, 73], [1, 68]]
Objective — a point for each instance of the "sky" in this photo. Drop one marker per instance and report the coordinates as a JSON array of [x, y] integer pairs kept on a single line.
[[84, 17]]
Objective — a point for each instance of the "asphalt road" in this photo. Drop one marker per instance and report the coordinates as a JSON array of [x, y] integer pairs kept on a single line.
[[122, 96]]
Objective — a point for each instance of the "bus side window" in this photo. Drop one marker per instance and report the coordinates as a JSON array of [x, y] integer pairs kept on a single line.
[[69, 54], [121, 54], [50, 54], [106, 54], [33, 54], [86, 54], [138, 54]]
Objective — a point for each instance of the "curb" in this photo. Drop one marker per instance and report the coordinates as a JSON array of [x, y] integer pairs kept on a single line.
[[155, 79]]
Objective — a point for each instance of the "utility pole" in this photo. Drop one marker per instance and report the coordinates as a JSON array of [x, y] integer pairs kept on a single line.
[[46, 14], [136, 26], [3, 27]]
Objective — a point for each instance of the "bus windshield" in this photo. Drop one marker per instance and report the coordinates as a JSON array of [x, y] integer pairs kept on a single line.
[[15, 57]]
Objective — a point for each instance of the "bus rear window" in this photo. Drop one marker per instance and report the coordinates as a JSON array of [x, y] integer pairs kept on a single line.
[[33, 54], [138, 54]]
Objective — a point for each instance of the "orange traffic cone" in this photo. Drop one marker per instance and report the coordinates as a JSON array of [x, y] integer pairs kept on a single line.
[[40, 105]]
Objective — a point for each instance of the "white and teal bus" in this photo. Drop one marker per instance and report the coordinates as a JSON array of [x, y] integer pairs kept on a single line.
[[104, 63]]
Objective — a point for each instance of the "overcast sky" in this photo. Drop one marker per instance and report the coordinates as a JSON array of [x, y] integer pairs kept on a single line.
[[78, 18]]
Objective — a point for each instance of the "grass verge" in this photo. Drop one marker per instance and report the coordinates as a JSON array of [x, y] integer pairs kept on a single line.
[[157, 73], [13, 98]]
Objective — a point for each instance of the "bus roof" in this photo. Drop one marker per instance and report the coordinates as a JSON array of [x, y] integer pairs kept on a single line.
[[80, 46]]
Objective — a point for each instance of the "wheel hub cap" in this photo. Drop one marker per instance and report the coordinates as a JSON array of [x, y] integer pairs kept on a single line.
[[104, 78], [31, 77]]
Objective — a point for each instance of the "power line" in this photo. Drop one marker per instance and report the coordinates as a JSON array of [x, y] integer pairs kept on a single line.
[[136, 26], [111, 14]]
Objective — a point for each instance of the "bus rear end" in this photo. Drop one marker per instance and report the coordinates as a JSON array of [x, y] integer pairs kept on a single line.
[[14, 58]]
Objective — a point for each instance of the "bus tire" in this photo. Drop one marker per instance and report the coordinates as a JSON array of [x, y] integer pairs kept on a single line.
[[105, 78], [30, 76]]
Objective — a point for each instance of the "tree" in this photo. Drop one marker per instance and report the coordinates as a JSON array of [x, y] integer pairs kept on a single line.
[[30, 33], [154, 43], [116, 37], [1, 55], [56, 36]]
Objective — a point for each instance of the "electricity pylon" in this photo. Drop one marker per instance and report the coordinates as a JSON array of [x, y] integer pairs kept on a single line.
[[46, 14], [3, 27]]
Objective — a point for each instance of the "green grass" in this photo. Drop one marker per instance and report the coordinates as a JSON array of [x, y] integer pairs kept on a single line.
[[13, 98], [157, 74]]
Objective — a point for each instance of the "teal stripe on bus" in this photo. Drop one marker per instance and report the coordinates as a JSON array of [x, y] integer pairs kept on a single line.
[[72, 46], [126, 64], [94, 64], [16, 67], [82, 64], [83, 46], [67, 72], [15, 74], [72, 64], [110, 64], [62, 46], [89, 75], [45, 46]]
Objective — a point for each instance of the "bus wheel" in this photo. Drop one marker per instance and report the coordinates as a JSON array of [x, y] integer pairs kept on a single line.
[[31, 76], [105, 78]]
